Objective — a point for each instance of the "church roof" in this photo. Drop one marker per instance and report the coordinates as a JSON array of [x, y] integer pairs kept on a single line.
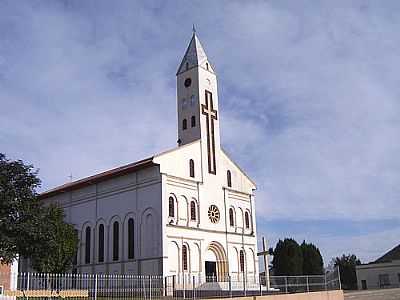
[[123, 170], [393, 254], [194, 55]]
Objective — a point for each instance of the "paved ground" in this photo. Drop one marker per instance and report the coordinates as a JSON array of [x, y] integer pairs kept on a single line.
[[390, 294]]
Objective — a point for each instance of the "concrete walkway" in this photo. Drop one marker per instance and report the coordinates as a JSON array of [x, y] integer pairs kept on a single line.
[[389, 294]]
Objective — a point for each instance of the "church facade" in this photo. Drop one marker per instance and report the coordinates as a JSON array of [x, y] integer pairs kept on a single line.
[[189, 210]]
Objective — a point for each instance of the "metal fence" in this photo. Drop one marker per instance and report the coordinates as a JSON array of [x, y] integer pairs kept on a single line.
[[306, 284], [186, 286]]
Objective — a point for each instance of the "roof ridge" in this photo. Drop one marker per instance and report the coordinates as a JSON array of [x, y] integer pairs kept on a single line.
[[393, 254], [118, 171]]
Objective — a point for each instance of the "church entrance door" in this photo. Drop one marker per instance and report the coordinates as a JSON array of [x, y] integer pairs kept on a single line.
[[216, 264], [211, 271]]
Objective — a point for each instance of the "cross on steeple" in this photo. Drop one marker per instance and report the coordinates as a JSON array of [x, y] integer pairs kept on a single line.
[[211, 116]]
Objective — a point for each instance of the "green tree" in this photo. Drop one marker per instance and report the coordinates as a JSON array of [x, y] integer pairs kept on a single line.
[[347, 267], [19, 208], [313, 263], [288, 259], [27, 228], [60, 240]]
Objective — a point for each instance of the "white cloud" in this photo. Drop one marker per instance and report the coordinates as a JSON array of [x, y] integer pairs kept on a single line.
[[321, 109], [308, 94]]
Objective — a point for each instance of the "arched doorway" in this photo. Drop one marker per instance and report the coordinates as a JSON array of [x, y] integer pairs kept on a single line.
[[216, 263]]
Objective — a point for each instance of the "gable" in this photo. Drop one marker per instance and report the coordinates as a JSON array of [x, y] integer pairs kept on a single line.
[[175, 162], [245, 182]]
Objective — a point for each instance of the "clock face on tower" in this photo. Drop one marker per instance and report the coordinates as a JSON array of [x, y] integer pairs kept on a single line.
[[188, 82]]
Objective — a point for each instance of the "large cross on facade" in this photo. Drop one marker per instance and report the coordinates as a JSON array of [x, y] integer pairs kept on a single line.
[[211, 115]]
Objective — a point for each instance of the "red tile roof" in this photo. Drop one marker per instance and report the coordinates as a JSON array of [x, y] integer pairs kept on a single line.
[[123, 170]]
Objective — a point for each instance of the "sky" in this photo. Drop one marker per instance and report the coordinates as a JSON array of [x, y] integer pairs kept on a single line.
[[309, 97]]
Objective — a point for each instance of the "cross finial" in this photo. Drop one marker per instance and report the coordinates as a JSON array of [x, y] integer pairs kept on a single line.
[[194, 29]]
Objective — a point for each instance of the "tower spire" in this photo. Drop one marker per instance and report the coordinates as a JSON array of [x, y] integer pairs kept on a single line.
[[194, 56], [197, 99]]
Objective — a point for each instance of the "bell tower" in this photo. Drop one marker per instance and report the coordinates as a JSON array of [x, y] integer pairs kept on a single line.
[[197, 102]]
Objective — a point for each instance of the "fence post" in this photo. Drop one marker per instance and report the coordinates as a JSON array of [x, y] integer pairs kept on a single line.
[[308, 286], [244, 283], [184, 287], [326, 286], [286, 285], [193, 288], [340, 282], [165, 286], [144, 287], [27, 283], [149, 286], [95, 287], [259, 279], [173, 285], [230, 285]]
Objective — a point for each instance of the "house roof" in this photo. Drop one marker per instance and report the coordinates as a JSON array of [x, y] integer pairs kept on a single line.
[[123, 170], [393, 254]]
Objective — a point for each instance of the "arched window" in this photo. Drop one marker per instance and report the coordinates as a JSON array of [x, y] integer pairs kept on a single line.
[[101, 243], [193, 211], [241, 259], [231, 217], [184, 258], [115, 240], [87, 245], [207, 66], [193, 121], [171, 207], [191, 167], [247, 220], [131, 239], [187, 66], [184, 124], [229, 178]]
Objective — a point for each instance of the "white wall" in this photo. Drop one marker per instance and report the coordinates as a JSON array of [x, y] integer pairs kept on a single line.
[[371, 273], [205, 189], [136, 195]]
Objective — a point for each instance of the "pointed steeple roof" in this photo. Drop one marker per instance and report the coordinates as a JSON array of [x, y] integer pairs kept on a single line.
[[194, 55]]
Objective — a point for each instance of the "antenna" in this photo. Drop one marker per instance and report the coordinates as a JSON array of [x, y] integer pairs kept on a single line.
[[70, 177], [194, 29]]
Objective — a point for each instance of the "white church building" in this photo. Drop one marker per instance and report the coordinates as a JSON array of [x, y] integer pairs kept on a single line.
[[189, 210]]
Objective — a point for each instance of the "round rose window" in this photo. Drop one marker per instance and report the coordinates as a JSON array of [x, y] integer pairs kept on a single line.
[[213, 214]]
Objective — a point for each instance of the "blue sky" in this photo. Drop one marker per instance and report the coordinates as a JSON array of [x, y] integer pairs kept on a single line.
[[309, 101]]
